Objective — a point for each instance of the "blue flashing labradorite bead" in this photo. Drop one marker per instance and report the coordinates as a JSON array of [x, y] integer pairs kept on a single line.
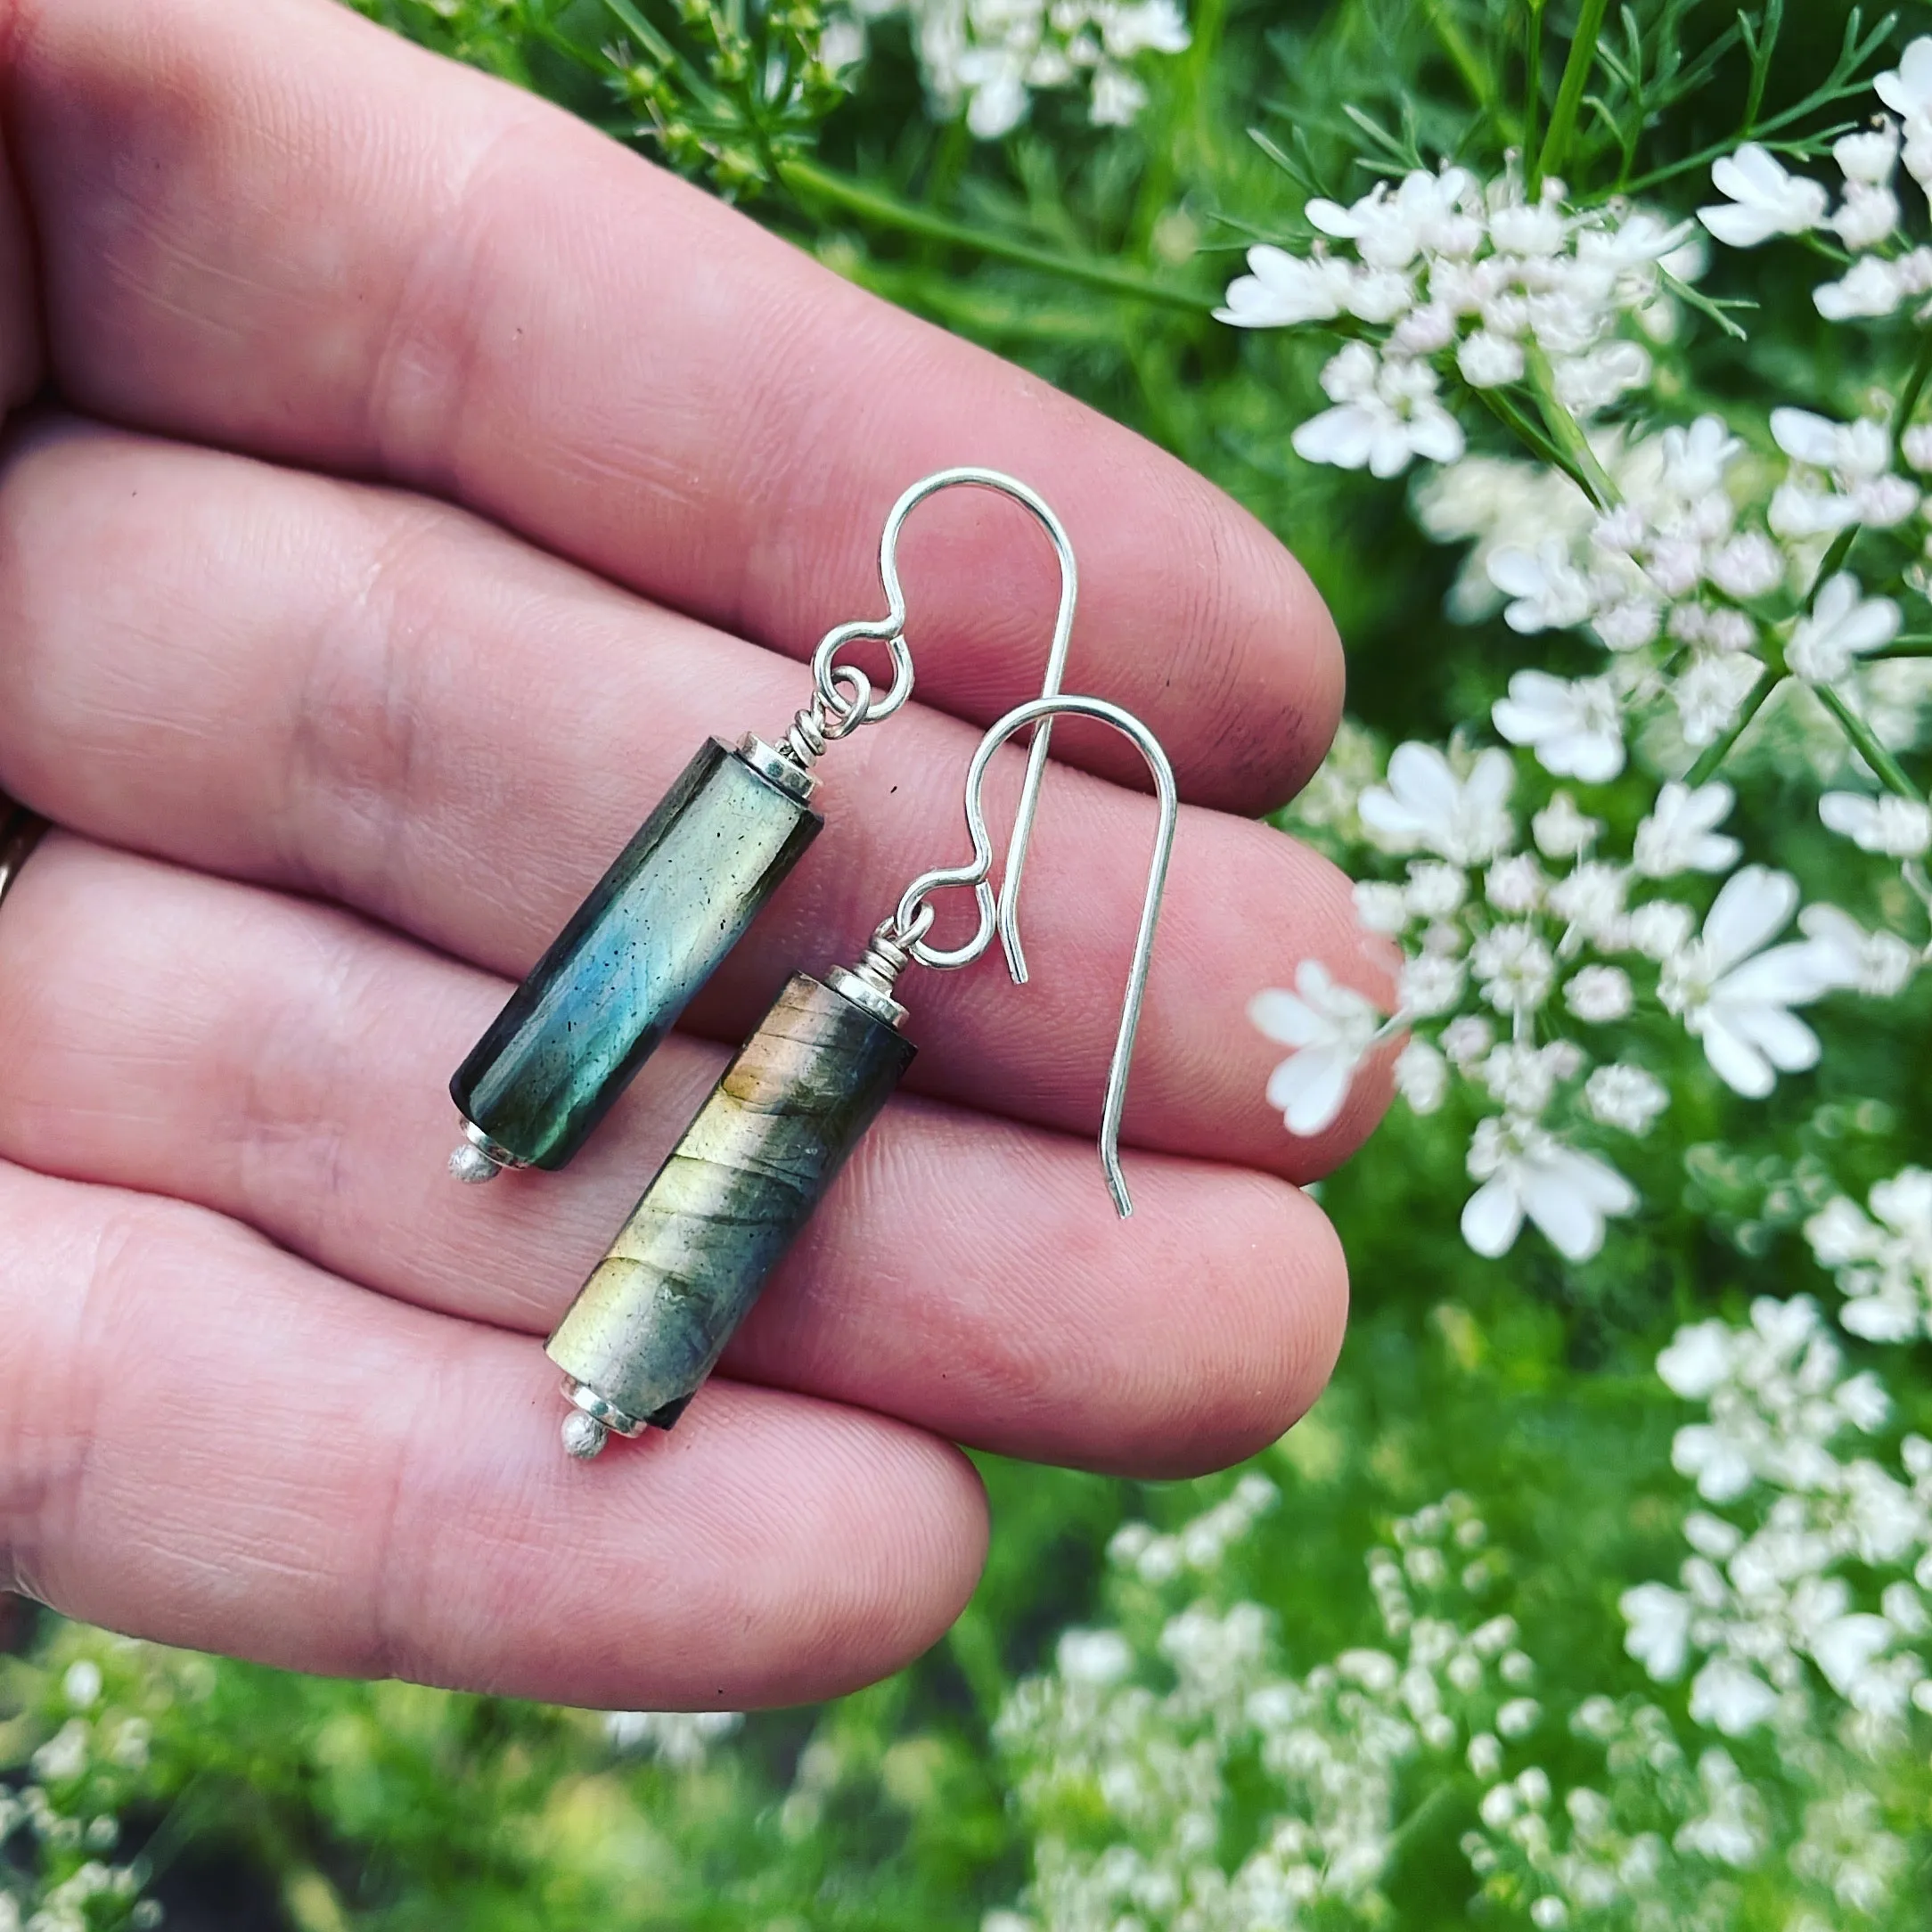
[[649, 1324], [659, 921]]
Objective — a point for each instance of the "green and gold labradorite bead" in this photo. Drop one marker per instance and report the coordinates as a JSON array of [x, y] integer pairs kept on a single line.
[[597, 1003], [650, 1322]]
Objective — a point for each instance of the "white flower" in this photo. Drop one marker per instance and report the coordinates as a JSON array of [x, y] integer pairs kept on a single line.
[[1844, 1650], [1435, 890], [1907, 89], [1626, 1098], [1329, 1028], [1490, 362], [1736, 996], [1096, 1657], [1858, 455], [1426, 808], [1697, 1360], [1561, 831], [1869, 214], [1680, 833], [1515, 967], [1591, 901], [1750, 565], [1431, 983], [1421, 1077], [1381, 906], [1386, 415], [1280, 290], [1515, 884], [1660, 927], [1871, 160], [1851, 451], [1871, 288], [1547, 591], [1841, 627], [1709, 692], [1524, 1077], [1878, 965], [1730, 1698], [1764, 199], [1659, 1634], [1695, 459], [1576, 727], [1899, 827], [1599, 994], [1390, 228], [1526, 1171]]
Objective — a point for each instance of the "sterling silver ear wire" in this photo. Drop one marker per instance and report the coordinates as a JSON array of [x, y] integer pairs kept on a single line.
[[649, 1326], [681, 893]]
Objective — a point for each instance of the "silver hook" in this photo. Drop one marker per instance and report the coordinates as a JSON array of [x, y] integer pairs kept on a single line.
[[846, 698], [901, 937]]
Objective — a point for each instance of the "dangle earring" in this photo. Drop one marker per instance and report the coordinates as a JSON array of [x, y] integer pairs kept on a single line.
[[649, 1326], [680, 896]]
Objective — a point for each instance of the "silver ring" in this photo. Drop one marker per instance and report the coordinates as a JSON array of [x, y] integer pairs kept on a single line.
[[20, 831]]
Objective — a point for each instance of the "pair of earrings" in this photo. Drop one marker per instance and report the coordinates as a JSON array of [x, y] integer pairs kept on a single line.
[[649, 1326]]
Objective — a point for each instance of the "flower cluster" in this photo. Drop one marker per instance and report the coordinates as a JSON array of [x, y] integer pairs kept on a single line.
[[1129, 1752], [1713, 579], [1445, 279], [1883, 1260], [1526, 973], [58, 1829], [1883, 270], [680, 1740], [989, 58], [1764, 1604], [1654, 1847]]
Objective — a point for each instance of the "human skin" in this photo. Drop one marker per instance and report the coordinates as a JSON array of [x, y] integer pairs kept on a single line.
[[400, 481]]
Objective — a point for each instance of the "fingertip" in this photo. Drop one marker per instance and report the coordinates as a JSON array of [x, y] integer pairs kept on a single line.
[[1257, 1369]]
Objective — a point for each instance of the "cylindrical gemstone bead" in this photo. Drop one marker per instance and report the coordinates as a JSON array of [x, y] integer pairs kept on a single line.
[[610, 989], [650, 1322]]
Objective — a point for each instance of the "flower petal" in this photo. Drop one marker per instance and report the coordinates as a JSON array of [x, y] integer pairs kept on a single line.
[[1754, 905], [1493, 1217], [1279, 1016]]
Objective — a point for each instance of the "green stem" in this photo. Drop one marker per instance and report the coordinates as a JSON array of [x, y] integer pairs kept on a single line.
[[1527, 433], [1833, 561], [1913, 393], [808, 180], [1901, 647], [1566, 433], [1891, 773], [1844, 81], [1475, 73], [1770, 25], [1532, 75], [1715, 753], [1569, 94]]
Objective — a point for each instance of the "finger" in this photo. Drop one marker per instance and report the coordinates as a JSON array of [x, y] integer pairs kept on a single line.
[[278, 1062], [205, 1442], [358, 693], [275, 228], [19, 326]]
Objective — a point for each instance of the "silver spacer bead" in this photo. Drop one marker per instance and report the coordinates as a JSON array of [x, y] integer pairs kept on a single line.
[[780, 766]]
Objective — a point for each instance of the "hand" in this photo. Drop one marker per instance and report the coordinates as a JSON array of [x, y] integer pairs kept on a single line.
[[417, 478]]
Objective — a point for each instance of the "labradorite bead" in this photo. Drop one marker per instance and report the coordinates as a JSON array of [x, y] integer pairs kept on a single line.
[[650, 1322], [597, 1003]]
